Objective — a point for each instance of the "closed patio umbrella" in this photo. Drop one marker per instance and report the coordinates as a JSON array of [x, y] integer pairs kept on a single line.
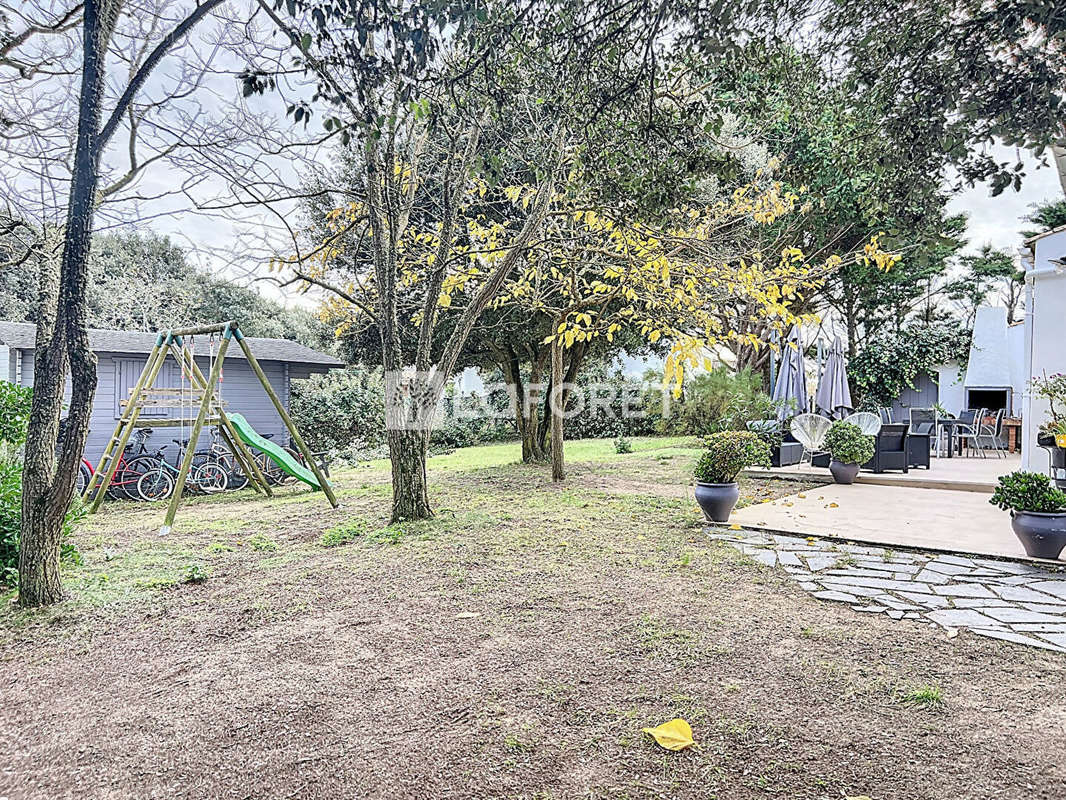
[[833, 397], [790, 389]]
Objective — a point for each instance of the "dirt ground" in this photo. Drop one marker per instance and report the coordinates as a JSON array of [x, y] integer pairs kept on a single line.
[[514, 647]]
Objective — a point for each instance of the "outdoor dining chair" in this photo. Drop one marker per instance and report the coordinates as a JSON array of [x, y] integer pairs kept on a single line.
[[810, 431], [969, 426], [990, 432], [924, 423]]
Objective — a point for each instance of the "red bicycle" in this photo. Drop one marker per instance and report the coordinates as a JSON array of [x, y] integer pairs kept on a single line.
[[133, 462]]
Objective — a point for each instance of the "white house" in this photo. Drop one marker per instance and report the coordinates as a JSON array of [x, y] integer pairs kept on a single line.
[[1044, 260], [995, 375]]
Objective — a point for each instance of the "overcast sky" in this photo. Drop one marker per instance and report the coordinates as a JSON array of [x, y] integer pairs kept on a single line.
[[997, 220]]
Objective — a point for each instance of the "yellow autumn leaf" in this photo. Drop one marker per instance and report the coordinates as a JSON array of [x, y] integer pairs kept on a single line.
[[673, 735], [734, 527], [834, 505]]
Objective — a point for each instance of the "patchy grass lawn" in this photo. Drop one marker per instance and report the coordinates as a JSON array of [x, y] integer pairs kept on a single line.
[[513, 647]]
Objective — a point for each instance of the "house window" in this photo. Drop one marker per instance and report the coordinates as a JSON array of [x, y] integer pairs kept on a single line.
[[128, 371]]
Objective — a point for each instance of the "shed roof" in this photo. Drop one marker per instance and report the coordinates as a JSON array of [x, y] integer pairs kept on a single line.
[[23, 335]]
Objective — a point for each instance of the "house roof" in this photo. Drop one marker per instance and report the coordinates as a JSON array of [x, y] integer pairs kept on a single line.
[[22, 336], [1032, 239]]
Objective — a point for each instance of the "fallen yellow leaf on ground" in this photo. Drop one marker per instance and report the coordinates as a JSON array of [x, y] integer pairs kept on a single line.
[[834, 505], [734, 527], [673, 735]]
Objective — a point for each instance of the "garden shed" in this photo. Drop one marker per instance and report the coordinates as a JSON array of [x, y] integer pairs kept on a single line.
[[123, 354]]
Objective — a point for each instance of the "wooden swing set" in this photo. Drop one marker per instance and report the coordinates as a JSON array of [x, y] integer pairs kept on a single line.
[[204, 391]]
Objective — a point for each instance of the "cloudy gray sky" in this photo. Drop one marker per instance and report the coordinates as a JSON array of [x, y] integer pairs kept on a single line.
[[997, 220]]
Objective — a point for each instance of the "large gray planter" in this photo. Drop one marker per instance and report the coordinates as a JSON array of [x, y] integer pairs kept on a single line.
[[843, 473], [1042, 535], [717, 499]]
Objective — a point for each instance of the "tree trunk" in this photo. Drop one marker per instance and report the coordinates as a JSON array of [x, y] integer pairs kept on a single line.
[[530, 425], [558, 406], [62, 341], [410, 496]]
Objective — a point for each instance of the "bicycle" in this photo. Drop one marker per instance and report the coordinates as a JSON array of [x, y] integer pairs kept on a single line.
[[158, 482], [132, 463], [217, 453], [123, 484]]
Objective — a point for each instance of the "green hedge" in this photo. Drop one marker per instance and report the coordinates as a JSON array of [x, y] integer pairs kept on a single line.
[[14, 419]]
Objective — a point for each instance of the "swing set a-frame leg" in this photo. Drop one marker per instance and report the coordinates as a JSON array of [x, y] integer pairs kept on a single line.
[[280, 408], [240, 451], [124, 428]]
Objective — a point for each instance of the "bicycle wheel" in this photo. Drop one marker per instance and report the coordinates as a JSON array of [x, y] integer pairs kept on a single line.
[[124, 483], [84, 476], [156, 484], [237, 479], [286, 477], [271, 471], [210, 478]]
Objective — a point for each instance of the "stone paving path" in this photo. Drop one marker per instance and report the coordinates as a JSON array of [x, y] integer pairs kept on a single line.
[[1018, 602]]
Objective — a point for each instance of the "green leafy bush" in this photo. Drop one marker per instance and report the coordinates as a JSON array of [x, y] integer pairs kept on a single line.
[[891, 363], [14, 419], [342, 411], [718, 400], [1028, 491], [727, 453], [621, 407], [467, 420], [847, 444], [14, 412], [622, 445]]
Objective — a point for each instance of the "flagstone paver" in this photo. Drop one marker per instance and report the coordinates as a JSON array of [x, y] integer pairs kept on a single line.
[[1014, 602]]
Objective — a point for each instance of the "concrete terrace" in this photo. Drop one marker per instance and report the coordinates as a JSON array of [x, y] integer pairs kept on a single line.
[[943, 509]]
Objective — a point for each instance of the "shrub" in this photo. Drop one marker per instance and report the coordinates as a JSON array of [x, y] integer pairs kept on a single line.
[[727, 453], [14, 418], [892, 363], [622, 445], [1028, 491], [622, 407], [847, 444], [14, 412], [718, 400], [340, 409]]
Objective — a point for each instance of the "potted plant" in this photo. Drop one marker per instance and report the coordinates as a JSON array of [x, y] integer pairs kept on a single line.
[[1052, 388], [848, 448], [783, 453], [1037, 510], [725, 454]]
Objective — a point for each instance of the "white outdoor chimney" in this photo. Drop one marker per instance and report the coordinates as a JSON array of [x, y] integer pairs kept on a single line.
[[988, 372]]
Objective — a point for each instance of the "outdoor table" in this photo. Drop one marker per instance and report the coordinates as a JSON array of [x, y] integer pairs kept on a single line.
[[949, 423]]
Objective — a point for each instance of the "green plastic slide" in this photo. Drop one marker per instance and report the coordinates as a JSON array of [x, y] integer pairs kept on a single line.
[[275, 452]]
